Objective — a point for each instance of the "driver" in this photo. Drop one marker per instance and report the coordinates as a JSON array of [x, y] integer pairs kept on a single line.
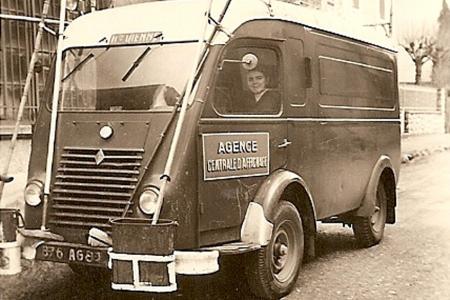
[[261, 98]]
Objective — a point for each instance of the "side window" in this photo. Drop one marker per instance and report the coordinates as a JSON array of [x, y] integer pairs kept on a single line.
[[248, 90], [355, 77]]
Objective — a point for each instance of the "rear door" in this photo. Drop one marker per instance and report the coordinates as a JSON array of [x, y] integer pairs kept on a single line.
[[241, 138]]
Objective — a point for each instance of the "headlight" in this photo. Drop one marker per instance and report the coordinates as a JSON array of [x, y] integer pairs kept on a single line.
[[71, 5], [33, 193], [148, 199]]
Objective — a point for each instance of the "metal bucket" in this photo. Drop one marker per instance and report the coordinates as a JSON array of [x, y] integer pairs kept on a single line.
[[9, 247], [10, 258], [142, 256], [9, 222]]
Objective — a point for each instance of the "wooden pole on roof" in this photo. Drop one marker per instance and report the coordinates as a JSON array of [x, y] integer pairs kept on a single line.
[[54, 115], [4, 177], [203, 50]]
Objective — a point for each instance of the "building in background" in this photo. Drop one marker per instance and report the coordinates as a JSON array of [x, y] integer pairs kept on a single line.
[[17, 42], [16, 47], [17, 39]]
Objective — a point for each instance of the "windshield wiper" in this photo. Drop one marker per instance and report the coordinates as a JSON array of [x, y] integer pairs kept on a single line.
[[80, 64], [136, 64]]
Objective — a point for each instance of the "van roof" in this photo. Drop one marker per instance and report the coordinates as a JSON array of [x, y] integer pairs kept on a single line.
[[182, 20]]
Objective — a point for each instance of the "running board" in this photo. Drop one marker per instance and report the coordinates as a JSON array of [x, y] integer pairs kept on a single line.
[[233, 248]]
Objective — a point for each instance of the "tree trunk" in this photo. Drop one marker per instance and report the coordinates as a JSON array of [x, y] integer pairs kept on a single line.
[[418, 79]]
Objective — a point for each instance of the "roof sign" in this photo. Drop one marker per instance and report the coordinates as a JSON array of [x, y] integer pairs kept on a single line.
[[136, 38]]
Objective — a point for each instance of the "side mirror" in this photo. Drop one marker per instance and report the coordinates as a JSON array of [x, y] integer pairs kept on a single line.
[[249, 61]]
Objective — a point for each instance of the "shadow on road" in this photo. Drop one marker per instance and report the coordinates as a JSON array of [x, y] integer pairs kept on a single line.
[[335, 241], [229, 283]]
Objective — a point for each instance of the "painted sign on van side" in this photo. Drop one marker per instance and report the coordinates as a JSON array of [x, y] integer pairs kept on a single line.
[[232, 155]]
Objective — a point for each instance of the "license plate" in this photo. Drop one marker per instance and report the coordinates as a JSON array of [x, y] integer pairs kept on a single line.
[[72, 253]]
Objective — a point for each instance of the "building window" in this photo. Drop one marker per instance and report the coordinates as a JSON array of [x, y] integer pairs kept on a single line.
[[355, 3], [16, 44]]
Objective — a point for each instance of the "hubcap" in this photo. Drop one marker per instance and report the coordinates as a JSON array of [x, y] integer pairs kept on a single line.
[[284, 252]]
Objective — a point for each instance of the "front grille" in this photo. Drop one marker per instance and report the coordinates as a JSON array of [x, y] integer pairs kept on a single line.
[[88, 194]]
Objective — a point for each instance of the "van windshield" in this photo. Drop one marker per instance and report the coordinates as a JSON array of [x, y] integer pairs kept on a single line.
[[125, 78]]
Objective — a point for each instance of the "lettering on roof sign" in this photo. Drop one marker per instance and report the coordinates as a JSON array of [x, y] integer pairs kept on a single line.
[[234, 155], [136, 38]]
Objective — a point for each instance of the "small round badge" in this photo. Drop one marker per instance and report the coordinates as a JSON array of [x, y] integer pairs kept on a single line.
[[106, 132]]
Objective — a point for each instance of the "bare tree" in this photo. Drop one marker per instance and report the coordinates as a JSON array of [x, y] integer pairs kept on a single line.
[[421, 47]]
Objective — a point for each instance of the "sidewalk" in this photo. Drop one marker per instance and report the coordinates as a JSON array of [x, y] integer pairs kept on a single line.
[[421, 145], [412, 148]]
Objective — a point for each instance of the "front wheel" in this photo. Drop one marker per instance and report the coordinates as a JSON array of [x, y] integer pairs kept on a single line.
[[272, 271], [369, 230]]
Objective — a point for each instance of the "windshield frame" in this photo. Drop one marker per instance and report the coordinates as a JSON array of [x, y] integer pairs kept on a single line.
[[107, 47]]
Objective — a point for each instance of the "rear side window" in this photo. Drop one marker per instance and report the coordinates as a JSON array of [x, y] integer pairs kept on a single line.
[[245, 91], [351, 79]]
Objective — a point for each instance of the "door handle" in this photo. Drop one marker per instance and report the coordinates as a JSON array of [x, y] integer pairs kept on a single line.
[[284, 144]]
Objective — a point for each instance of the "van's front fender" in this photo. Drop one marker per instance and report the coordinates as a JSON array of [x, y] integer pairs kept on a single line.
[[257, 225]]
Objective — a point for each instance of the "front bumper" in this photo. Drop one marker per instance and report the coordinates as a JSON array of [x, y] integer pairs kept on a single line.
[[133, 272]]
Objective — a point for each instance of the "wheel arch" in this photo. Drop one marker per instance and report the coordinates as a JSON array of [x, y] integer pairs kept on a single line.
[[283, 185], [383, 171]]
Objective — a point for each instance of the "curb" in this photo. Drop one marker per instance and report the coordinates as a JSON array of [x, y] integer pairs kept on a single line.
[[408, 157]]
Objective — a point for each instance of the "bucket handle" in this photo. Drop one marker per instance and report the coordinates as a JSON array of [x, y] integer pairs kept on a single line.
[[22, 220]]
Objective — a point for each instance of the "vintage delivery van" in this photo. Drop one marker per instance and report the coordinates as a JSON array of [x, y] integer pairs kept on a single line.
[[241, 132]]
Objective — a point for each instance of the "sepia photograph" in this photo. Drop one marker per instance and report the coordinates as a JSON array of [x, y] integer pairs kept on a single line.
[[224, 149]]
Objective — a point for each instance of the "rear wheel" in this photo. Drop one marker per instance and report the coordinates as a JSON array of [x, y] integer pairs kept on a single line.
[[369, 230], [273, 270]]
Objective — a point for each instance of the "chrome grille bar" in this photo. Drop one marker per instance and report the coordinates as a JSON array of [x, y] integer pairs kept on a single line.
[[79, 224], [87, 156], [95, 185], [98, 193], [97, 170], [86, 208], [93, 178], [90, 201], [105, 164]]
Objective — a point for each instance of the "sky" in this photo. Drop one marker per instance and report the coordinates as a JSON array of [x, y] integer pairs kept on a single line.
[[414, 15]]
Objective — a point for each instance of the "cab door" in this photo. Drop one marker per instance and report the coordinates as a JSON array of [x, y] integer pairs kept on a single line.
[[241, 140]]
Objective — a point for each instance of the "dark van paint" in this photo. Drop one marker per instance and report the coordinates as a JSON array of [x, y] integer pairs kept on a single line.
[[333, 151]]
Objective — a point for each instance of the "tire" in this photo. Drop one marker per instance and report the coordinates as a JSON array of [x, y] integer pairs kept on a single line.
[[272, 271], [369, 231]]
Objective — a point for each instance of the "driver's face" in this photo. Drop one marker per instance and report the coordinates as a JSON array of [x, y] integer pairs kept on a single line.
[[256, 82]]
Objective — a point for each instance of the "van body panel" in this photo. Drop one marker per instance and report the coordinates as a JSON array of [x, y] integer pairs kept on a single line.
[[224, 201], [338, 114], [82, 153], [332, 135]]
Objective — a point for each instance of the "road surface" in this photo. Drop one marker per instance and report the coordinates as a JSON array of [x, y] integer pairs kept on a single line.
[[412, 262]]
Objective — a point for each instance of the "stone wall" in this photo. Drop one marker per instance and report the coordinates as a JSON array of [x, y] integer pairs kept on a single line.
[[423, 110], [424, 122]]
